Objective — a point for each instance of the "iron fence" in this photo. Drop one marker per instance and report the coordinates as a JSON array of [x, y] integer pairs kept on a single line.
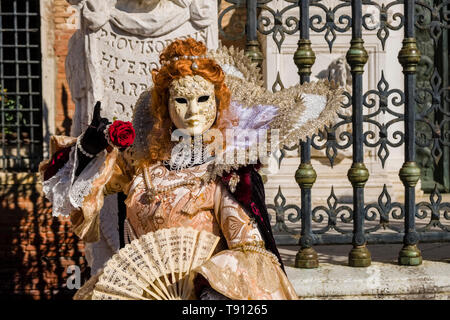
[[20, 86], [426, 114]]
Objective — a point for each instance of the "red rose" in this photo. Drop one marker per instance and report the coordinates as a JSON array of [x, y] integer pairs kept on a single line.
[[121, 133]]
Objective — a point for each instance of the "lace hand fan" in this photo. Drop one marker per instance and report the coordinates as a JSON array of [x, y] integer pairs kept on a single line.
[[156, 266]]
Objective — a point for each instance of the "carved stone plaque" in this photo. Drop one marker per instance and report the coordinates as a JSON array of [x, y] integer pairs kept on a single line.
[[125, 62], [118, 44]]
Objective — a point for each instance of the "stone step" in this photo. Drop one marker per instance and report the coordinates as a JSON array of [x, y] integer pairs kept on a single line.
[[431, 280]]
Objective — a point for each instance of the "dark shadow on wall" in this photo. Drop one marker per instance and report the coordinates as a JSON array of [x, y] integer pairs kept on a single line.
[[67, 122], [35, 248], [46, 128]]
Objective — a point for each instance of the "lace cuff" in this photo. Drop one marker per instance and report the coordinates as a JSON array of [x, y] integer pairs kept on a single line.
[[81, 186], [67, 192], [57, 188], [87, 195], [55, 185], [80, 197]]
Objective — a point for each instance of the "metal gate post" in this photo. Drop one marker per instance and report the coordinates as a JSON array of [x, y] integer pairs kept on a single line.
[[358, 174], [251, 28], [305, 175], [409, 57]]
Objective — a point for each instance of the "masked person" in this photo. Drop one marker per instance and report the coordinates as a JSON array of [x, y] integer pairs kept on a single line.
[[208, 181]]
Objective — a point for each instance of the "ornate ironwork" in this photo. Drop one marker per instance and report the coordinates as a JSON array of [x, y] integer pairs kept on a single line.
[[252, 45], [383, 25], [304, 57], [338, 216], [360, 223], [433, 17], [358, 174], [327, 138], [397, 99], [432, 99], [278, 26], [278, 84], [409, 57], [384, 208], [305, 175], [434, 134], [357, 56], [333, 212], [434, 207], [236, 25], [319, 25], [280, 208]]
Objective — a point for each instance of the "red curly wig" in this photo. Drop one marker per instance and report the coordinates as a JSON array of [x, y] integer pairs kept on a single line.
[[159, 139]]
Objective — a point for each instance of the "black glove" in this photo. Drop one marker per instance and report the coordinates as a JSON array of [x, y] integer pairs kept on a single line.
[[93, 140]]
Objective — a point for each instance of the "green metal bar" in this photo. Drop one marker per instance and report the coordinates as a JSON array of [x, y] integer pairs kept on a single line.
[[409, 57], [358, 174]]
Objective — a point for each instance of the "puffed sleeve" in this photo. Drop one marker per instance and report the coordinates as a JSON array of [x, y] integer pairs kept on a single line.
[[246, 271], [80, 197]]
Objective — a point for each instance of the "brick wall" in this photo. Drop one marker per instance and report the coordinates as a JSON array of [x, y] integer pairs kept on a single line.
[[64, 18], [35, 247]]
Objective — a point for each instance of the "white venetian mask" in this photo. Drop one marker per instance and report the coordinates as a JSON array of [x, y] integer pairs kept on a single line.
[[192, 104]]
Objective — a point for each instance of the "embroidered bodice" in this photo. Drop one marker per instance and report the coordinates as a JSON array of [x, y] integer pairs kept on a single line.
[[162, 198]]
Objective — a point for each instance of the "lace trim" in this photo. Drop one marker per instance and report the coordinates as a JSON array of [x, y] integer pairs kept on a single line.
[[82, 186], [67, 192], [185, 155], [56, 189]]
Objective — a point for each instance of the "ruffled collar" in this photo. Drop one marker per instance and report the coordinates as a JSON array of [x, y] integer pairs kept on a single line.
[[188, 155]]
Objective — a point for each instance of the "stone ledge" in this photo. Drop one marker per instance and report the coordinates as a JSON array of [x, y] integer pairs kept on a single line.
[[431, 280]]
